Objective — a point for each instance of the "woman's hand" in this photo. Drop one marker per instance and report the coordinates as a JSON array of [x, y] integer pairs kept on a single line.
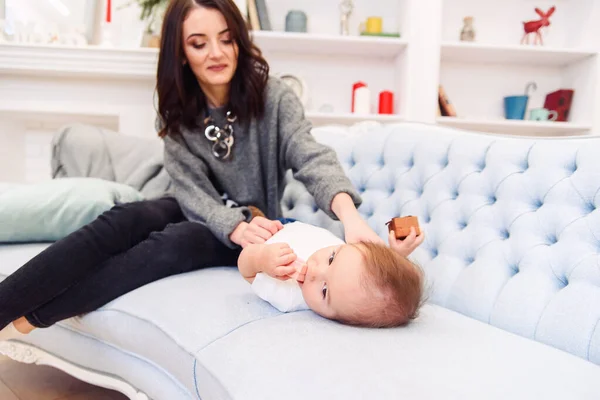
[[357, 230], [408, 245], [258, 231]]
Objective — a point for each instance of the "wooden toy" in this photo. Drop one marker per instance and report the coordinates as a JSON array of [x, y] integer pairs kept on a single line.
[[401, 226]]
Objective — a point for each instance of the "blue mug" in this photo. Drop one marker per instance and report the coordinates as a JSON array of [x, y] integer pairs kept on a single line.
[[515, 107]]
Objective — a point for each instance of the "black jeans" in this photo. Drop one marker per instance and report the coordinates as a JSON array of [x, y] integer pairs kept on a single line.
[[125, 248]]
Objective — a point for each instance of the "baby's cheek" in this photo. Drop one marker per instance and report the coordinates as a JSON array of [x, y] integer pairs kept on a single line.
[[306, 293]]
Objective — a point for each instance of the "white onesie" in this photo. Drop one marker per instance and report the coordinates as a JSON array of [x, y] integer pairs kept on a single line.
[[305, 240]]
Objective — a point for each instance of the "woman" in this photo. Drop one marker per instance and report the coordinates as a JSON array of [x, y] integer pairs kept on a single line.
[[230, 132]]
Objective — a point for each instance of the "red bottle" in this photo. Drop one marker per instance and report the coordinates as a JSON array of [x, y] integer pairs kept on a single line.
[[354, 87], [386, 102]]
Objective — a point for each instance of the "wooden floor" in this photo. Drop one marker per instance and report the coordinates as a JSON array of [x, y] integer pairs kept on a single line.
[[32, 382]]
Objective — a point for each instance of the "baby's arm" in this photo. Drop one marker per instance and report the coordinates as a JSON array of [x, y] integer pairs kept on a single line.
[[272, 259]]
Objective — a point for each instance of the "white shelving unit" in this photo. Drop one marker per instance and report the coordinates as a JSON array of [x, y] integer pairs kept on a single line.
[[321, 118], [477, 76], [475, 53], [330, 45], [515, 127], [330, 63]]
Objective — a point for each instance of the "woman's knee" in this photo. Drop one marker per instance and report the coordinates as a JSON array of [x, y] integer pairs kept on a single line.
[[186, 235], [155, 214]]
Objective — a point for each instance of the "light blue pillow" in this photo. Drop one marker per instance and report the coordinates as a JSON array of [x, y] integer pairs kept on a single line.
[[49, 211]]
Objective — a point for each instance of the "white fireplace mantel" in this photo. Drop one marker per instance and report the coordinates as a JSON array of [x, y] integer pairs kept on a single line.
[[45, 87], [92, 84], [82, 62]]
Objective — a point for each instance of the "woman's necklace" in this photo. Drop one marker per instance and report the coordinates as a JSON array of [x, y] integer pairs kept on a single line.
[[222, 137]]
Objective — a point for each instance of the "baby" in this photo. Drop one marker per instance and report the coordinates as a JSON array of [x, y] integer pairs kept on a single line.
[[363, 284]]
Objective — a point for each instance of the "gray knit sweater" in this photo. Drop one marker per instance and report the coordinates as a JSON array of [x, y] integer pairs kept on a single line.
[[255, 172]]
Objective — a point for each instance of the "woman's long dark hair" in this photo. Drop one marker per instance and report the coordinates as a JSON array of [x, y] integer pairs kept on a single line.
[[180, 99]]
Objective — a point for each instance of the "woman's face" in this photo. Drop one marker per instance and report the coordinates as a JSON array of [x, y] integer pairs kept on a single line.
[[208, 48]]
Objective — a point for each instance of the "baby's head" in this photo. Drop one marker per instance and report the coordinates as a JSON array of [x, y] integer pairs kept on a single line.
[[366, 284]]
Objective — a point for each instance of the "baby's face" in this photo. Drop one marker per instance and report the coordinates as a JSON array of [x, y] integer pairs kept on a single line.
[[333, 283]]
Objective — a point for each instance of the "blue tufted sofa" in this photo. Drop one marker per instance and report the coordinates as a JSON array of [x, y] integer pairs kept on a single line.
[[512, 257]]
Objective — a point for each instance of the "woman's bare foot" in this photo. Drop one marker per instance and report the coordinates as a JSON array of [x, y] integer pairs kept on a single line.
[[23, 326], [16, 329]]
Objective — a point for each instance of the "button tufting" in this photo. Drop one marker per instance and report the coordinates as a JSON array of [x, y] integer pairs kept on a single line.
[[427, 219], [504, 234], [455, 195], [469, 260], [315, 208], [434, 253], [462, 225], [539, 204], [552, 239], [411, 163], [493, 199], [591, 207]]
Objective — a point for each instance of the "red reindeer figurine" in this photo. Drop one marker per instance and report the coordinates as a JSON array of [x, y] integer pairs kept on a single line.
[[535, 26]]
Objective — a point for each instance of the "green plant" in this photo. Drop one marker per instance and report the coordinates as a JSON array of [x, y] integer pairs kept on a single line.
[[149, 7]]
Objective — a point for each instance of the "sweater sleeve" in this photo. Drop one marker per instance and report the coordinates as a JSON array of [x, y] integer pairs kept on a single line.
[[195, 193], [314, 164]]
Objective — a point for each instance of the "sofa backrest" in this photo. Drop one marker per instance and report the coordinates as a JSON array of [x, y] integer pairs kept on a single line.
[[511, 223]]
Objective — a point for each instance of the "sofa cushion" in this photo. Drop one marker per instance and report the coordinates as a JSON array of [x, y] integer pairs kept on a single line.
[[443, 354], [209, 331], [48, 211]]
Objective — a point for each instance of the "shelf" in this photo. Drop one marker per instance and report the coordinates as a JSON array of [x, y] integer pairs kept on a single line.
[[319, 118], [88, 62], [333, 45], [140, 63], [55, 117], [515, 127], [467, 52]]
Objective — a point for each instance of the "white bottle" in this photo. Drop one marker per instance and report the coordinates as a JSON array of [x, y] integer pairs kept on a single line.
[[362, 101]]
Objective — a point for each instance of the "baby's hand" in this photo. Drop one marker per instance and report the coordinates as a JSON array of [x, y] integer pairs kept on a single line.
[[406, 246], [277, 259], [301, 268]]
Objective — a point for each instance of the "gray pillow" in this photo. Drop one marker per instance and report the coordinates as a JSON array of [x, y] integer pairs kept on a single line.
[[48, 211]]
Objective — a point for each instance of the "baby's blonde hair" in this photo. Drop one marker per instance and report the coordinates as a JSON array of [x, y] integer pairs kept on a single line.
[[396, 287]]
